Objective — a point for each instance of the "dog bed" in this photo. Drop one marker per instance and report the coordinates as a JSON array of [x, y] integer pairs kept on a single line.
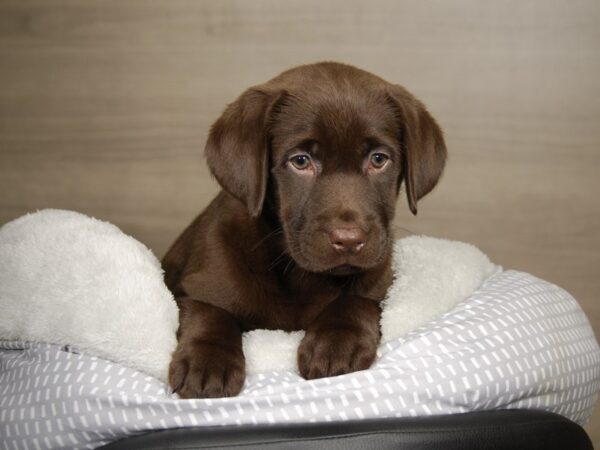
[[87, 328]]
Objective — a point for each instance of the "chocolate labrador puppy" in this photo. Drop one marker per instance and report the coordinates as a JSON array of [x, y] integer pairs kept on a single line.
[[311, 164]]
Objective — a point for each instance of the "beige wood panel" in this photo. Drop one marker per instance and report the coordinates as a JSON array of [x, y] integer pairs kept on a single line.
[[104, 108]]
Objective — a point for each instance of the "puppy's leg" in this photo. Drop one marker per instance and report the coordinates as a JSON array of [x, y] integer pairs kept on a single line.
[[208, 361], [342, 339]]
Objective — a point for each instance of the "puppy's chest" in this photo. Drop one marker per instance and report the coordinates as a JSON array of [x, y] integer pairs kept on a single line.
[[291, 305]]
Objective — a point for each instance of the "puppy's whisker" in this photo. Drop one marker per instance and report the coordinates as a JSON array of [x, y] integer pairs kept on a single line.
[[352, 283], [273, 233], [277, 260], [406, 230], [287, 266]]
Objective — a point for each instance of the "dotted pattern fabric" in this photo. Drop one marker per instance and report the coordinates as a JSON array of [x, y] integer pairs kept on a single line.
[[517, 342]]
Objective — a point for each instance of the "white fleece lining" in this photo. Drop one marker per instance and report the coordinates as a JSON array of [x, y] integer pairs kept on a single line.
[[69, 279]]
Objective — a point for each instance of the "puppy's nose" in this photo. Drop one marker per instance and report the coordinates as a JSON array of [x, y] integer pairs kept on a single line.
[[347, 240]]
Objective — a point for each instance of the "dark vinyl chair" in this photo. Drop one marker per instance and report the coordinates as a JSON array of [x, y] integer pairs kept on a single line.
[[487, 430]]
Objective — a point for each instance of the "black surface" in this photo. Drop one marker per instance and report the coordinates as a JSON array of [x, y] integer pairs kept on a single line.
[[488, 430]]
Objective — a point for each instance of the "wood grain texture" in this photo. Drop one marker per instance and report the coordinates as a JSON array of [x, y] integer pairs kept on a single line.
[[105, 106]]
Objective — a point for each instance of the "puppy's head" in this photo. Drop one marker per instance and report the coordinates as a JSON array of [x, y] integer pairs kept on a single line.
[[329, 146]]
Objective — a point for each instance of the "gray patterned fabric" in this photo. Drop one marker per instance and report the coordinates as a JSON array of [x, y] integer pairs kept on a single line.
[[518, 342]]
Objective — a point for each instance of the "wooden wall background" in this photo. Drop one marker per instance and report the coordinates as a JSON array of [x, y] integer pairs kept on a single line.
[[104, 109]]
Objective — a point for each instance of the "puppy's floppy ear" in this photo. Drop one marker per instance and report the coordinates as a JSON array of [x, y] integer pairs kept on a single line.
[[237, 146], [423, 147]]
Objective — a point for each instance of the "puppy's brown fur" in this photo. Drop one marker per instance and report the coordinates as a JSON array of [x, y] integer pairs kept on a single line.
[[311, 164]]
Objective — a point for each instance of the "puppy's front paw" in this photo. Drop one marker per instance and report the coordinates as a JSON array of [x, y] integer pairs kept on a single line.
[[207, 370], [329, 352]]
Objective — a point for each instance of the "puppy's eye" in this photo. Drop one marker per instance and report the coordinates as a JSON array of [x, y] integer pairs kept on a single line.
[[301, 162], [378, 160]]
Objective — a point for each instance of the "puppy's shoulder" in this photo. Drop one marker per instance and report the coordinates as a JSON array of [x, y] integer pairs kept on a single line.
[[227, 218], [221, 226]]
